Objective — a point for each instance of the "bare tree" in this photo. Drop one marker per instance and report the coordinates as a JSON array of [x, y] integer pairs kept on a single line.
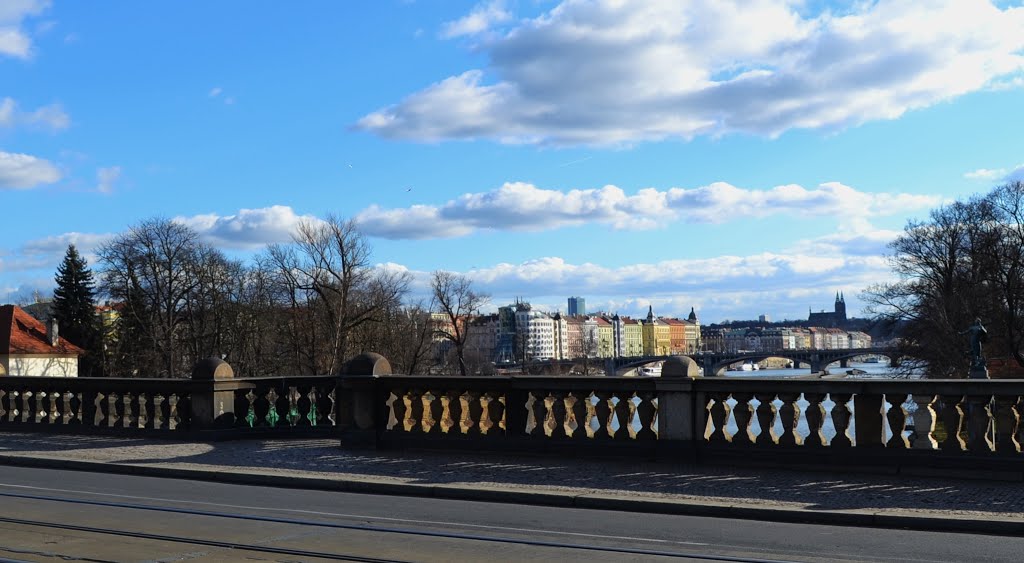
[[455, 298], [326, 273]]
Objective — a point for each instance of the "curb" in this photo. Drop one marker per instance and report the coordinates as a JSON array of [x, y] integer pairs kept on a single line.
[[933, 522]]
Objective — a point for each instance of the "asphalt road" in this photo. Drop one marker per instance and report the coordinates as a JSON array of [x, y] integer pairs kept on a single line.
[[51, 514]]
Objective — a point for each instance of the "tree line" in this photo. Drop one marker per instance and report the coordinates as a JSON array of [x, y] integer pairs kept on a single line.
[[300, 308], [965, 262]]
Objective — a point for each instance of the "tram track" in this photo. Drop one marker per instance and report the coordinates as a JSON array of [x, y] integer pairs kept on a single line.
[[393, 530]]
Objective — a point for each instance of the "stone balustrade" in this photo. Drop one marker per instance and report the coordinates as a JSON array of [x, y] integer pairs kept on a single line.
[[891, 423]]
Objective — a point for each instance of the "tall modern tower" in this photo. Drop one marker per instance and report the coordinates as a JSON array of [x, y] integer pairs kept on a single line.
[[577, 306]]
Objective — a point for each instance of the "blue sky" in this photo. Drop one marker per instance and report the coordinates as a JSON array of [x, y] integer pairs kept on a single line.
[[741, 157]]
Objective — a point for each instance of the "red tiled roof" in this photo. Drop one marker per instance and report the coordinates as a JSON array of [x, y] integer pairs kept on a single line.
[[21, 333]]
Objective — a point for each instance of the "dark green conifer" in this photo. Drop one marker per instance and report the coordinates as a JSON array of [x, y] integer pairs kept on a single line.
[[74, 307]]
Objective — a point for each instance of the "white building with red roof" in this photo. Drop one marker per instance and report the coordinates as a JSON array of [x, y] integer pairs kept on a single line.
[[28, 347]]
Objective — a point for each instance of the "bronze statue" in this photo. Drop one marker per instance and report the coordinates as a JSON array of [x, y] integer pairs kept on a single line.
[[978, 336]]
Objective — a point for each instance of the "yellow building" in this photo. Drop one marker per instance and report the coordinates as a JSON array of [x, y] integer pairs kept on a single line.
[[605, 338], [657, 336]]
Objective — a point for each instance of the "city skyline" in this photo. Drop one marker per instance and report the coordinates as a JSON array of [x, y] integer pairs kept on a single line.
[[621, 152]]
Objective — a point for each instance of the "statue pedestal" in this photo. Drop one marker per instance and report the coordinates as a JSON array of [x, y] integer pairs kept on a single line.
[[978, 373]]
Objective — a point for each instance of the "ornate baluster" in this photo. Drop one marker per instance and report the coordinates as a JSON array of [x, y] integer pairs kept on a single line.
[[503, 421], [158, 411], [469, 403], [42, 410], [603, 411], [12, 412], [112, 414], [764, 415], [571, 425], [26, 406], [396, 410], [742, 412], [815, 415], [789, 415], [429, 404], [451, 412], [3, 411], [292, 415], [142, 403], [333, 410], [68, 414], [551, 415], [129, 417], [1018, 424], [897, 419], [979, 423], [952, 417], [413, 411], [531, 414], [313, 414], [841, 420], [495, 411], [924, 423], [624, 415], [272, 415], [718, 416], [646, 411], [172, 413], [1006, 423], [101, 416]]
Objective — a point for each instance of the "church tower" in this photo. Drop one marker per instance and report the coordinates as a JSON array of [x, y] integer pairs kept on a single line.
[[840, 308]]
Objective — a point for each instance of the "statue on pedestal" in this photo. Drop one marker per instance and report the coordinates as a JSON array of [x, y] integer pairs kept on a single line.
[[978, 336]]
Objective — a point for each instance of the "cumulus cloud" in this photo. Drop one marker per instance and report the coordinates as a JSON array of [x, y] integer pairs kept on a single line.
[[22, 171], [525, 207], [480, 19], [14, 41], [249, 228], [106, 178], [51, 117], [985, 174], [610, 72], [56, 245]]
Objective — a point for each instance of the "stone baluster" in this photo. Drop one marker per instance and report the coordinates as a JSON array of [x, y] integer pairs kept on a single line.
[[815, 415], [535, 413], [765, 415], [555, 421], [172, 412], [472, 413], [42, 409], [742, 413], [951, 417], [451, 412], [1007, 424], [99, 416], [624, 414], [604, 411], [493, 412], [68, 413], [160, 410], [646, 412], [868, 414], [896, 416], [3, 411], [128, 420], [718, 416], [431, 411], [12, 411], [413, 400], [573, 423], [841, 420], [925, 418], [979, 424], [26, 406], [789, 415]]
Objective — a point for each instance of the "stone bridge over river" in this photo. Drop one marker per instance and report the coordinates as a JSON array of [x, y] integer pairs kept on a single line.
[[716, 363]]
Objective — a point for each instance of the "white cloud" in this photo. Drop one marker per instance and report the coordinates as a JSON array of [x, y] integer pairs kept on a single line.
[[1016, 175], [215, 91], [51, 117], [985, 174], [22, 171], [106, 178], [525, 207], [610, 72], [56, 245], [480, 19], [249, 228], [14, 42]]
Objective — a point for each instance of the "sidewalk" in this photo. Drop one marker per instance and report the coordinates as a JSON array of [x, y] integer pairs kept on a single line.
[[768, 494]]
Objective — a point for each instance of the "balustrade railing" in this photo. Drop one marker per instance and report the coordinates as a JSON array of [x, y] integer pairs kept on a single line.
[[960, 423]]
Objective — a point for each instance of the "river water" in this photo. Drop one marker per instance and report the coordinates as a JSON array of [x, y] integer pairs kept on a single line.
[[871, 370]]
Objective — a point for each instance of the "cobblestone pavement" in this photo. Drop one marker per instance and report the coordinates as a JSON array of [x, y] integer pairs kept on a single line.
[[755, 486]]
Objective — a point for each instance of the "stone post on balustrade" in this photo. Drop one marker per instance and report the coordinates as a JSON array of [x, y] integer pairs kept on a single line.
[[361, 411], [677, 409], [213, 404]]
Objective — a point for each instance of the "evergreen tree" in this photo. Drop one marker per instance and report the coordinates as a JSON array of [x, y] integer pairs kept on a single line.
[[74, 307]]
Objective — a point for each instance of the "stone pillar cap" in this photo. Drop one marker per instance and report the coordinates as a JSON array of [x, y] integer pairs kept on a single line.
[[212, 368], [679, 366], [367, 363]]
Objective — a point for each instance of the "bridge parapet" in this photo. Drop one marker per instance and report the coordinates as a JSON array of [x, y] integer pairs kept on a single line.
[[890, 423]]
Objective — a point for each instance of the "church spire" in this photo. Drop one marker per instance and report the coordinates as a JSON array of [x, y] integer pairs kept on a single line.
[[650, 313]]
